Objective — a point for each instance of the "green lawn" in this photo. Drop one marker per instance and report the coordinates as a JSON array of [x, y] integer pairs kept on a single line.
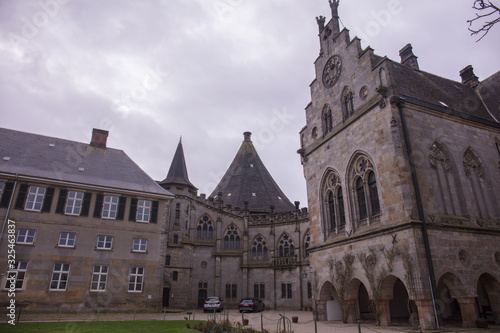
[[139, 326]]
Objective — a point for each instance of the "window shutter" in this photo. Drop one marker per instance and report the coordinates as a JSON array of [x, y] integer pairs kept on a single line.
[[61, 201], [7, 194], [47, 201], [86, 204], [21, 196], [121, 208], [133, 210], [98, 205], [154, 212]]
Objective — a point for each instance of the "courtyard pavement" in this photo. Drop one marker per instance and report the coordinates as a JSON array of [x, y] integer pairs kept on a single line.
[[267, 320]]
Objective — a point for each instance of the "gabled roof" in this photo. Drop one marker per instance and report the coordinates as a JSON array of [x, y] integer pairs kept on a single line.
[[489, 90], [247, 179], [177, 174], [54, 159]]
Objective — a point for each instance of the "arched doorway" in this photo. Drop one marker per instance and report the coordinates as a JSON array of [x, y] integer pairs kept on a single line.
[[165, 301], [403, 310], [328, 305], [449, 289], [488, 298]]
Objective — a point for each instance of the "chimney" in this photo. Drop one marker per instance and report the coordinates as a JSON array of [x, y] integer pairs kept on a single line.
[[468, 77], [247, 136], [408, 58], [99, 138]]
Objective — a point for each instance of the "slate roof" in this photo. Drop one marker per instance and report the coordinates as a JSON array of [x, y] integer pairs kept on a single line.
[[489, 90], [52, 158], [247, 179], [435, 90], [177, 174]]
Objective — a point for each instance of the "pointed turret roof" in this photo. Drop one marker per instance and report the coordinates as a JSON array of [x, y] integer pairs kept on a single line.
[[247, 179], [177, 174]]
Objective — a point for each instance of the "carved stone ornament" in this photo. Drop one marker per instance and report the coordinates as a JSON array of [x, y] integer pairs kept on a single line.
[[464, 257], [362, 164], [332, 70], [439, 155], [472, 162]]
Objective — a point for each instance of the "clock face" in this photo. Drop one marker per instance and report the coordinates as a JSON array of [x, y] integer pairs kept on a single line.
[[331, 72]]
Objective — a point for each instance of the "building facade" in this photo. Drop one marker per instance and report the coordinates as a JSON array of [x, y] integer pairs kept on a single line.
[[84, 226], [402, 172], [246, 239]]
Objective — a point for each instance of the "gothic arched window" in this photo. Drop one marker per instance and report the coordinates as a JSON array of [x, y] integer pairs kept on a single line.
[[347, 103], [333, 204], [232, 239], [286, 247], [205, 228], [372, 189], [360, 195], [327, 119], [259, 249]]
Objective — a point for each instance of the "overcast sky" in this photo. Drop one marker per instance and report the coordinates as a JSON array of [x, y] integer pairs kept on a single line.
[[207, 70]]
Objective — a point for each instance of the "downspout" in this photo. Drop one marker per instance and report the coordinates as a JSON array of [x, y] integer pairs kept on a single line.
[[8, 208], [400, 102], [301, 255]]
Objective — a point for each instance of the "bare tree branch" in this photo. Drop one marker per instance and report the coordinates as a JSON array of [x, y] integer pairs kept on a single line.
[[487, 8]]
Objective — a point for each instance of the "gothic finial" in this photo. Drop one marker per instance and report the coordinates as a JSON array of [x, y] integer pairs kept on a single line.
[[334, 5], [321, 22]]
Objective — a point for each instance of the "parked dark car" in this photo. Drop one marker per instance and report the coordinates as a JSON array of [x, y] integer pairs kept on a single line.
[[213, 303], [251, 304]]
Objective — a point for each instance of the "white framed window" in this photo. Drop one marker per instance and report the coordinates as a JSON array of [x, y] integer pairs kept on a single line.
[[60, 277], [74, 203], [99, 278], [140, 245], [26, 236], [16, 275], [67, 239], [35, 198], [110, 207], [104, 242], [136, 279], [143, 211]]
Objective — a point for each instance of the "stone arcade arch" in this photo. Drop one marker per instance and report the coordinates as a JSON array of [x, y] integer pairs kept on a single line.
[[488, 298], [328, 306], [450, 291]]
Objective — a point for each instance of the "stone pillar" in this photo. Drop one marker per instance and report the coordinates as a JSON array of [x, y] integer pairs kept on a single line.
[[426, 314], [384, 311], [321, 310], [468, 311], [351, 310]]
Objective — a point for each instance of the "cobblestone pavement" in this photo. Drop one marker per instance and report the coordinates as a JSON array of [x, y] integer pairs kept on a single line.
[[267, 320]]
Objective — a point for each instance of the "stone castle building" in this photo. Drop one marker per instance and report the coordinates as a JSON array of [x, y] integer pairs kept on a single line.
[[403, 179]]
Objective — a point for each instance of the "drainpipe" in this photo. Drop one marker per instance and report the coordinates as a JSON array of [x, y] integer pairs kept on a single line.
[[400, 102], [8, 208]]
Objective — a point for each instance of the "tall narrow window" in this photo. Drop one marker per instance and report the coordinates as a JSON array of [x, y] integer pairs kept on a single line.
[[110, 207], [231, 290], [360, 194], [331, 211], [143, 210], [35, 198], [340, 202], [74, 203], [372, 188], [286, 290], [60, 276], [17, 275], [307, 243], [99, 278], [136, 279]]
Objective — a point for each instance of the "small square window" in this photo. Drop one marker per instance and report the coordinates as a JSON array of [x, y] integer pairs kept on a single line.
[[26, 236], [140, 245], [104, 242], [67, 239]]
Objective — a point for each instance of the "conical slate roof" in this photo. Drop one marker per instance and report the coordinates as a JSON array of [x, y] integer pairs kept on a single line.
[[177, 174], [247, 179]]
